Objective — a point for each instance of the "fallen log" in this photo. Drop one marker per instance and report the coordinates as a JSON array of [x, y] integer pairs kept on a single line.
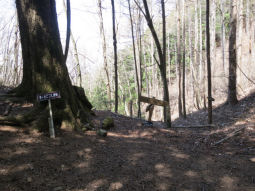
[[196, 126], [236, 132]]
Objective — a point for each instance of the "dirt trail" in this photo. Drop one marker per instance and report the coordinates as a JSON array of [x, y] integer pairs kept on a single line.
[[134, 156]]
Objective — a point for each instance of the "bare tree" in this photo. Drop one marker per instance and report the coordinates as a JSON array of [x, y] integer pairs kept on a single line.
[[179, 75], [183, 58], [161, 53], [208, 61], [134, 53], [76, 55], [196, 59], [232, 98], [16, 56], [240, 16], [115, 56], [223, 34], [213, 31], [102, 33], [191, 58]]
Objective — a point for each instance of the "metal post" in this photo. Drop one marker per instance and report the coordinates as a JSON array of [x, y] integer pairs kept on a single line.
[[51, 124]]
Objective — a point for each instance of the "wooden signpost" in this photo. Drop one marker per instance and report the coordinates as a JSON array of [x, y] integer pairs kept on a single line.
[[152, 101], [49, 97]]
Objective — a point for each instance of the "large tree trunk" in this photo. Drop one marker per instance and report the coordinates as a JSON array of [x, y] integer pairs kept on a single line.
[[232, 98], [44, 67]]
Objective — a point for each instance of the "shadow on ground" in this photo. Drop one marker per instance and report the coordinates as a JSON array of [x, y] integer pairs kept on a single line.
[[224, 114], [146, 160], [132, 156]]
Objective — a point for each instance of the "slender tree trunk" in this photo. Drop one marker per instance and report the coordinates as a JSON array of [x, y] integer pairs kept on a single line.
[[200, 44], [76, 55], [154, 79], [213, 32], [115, 56], [140, 49], [102, 33], [68, 30], [134, 53], [146, 73], [191, 58], [183, 58], [208, 61], [240, 31], [167, 114], [196, 59], [222, 4], [201, 62], [179, 76], [248, 30], [247, 26], [169, 60], [16, 57], [232, 98]]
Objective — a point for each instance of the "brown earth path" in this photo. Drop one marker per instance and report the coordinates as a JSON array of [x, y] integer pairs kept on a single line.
[[134, 156]]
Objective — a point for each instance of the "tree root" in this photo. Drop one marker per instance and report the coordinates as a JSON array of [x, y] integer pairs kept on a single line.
[[68, 112], [19, 120]]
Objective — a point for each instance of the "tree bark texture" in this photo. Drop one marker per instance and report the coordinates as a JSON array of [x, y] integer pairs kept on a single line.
[[44, 67]]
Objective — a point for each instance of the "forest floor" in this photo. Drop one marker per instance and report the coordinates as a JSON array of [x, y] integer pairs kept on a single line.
[[134, 156]]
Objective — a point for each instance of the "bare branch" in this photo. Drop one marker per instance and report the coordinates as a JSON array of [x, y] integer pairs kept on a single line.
[[139, 7]]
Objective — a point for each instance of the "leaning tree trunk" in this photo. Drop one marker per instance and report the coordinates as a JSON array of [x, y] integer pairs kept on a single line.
[[232, 98], [44, 67], [161, 54]]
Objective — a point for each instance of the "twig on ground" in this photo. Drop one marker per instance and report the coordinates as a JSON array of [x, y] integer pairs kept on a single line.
[[228, 136]]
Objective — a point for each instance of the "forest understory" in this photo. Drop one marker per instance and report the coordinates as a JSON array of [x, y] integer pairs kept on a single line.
[[134, 156]]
